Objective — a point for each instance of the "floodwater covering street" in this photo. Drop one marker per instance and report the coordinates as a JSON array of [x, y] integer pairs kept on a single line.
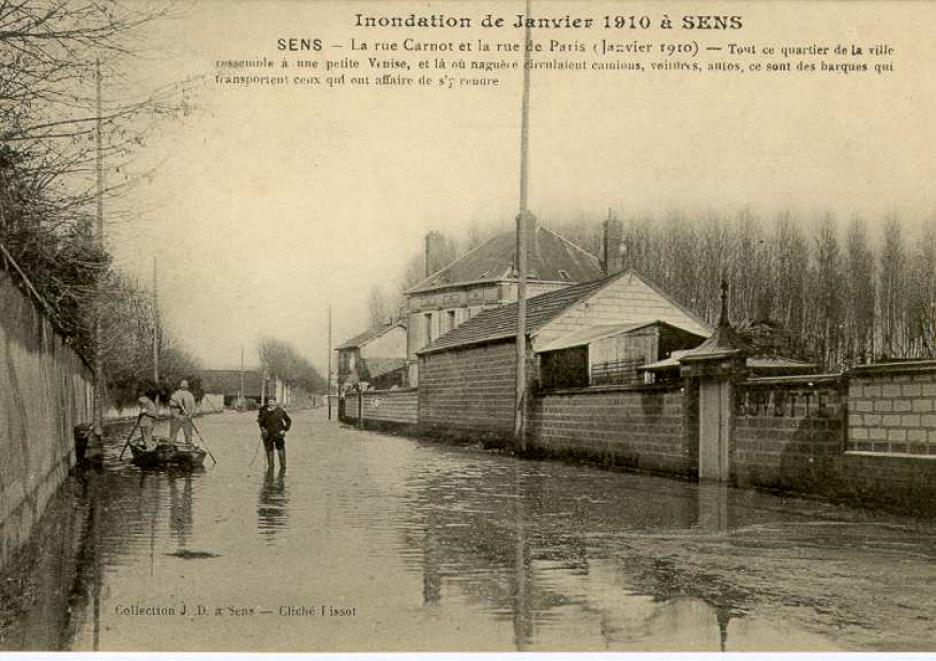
[[378, 542]]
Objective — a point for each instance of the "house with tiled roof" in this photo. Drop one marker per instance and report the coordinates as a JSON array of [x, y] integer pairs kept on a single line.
[[486, 278], [467, 375], [376, 357]]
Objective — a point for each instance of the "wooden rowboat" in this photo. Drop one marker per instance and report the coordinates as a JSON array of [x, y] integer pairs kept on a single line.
[[166, 453]]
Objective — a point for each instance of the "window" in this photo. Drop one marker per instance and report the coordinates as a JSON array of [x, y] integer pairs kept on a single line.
[[427, 328], [565, 368], [449, 320], [564, 274]]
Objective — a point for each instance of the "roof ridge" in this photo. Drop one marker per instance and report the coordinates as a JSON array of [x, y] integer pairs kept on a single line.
[[682, 308], [589, 287], [569, 241], [453, 262], [382, 328]]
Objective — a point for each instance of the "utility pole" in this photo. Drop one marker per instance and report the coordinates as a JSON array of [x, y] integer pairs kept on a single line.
[[522, 241], [328, 387], [155, 325], [241, 401], [97, 414]]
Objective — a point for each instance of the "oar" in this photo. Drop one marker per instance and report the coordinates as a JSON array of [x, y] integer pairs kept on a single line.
[[202, 439], [120, 458]]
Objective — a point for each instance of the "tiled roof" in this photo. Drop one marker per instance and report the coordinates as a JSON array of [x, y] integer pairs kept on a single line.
[[552, 258], [369, 335], [501, 322]]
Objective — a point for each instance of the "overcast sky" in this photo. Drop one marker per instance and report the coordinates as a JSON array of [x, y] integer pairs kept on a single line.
[[272, 203]]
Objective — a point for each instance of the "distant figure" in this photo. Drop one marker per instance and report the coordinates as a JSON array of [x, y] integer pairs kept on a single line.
[[182, 407], [147, 418], [274, 423]]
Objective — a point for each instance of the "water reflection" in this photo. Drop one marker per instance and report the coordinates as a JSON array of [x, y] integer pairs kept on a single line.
[[445, 549], [527, 546], [272, 511], [713, 506], [181, 518]]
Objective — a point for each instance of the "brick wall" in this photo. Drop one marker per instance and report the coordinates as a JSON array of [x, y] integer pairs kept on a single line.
[[469, 392], [892, 408], [393, 407], [789, 434], [642, 427]]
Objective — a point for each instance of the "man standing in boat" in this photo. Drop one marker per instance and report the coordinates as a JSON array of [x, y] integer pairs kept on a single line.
[[182, 408], [147, 418], [274, 423]]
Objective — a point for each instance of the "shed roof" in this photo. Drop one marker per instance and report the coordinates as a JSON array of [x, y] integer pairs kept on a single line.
[[371, 334], [380, 366], [595, 333], [552, 259]]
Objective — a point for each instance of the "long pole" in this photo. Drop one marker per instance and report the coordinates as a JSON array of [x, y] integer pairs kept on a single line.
[[328, 388], [98, 366], [155, 325], [522, 240], [240, 400]]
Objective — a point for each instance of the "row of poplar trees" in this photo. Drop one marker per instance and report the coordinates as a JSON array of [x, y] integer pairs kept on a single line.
[[846, 292]]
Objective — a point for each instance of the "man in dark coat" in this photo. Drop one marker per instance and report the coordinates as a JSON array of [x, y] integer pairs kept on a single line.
[[274, 423]]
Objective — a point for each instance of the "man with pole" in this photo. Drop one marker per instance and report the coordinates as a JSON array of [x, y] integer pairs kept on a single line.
[[274, 423], [182, 409]]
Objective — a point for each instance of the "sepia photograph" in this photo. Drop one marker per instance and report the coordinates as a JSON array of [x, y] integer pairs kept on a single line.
[[485, 326]]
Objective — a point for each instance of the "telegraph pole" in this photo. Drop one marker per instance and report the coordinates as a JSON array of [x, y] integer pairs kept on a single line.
[[522, 241], [241, 400], [155, 325], [328, 388], [97, 413]]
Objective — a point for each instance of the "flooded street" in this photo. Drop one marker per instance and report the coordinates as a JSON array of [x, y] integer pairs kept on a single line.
[[377, 542]]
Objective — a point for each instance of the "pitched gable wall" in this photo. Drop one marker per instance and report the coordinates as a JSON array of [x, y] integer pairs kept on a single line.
[[391, 344], [625, 300]]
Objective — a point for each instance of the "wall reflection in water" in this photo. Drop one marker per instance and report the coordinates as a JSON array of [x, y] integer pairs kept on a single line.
[[272, 505], [554, 556]]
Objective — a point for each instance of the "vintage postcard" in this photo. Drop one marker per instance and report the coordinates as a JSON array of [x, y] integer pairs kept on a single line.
[[467, 326]]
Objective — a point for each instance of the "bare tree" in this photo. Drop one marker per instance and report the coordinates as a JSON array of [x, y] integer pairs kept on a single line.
[[860, 302], [892, 289], [379, 308]]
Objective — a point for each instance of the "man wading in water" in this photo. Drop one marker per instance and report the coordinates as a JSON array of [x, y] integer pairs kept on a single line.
[[274, 423]]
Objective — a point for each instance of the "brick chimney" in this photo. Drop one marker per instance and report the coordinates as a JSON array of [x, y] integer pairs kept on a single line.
[[433, 245], [612, 244]]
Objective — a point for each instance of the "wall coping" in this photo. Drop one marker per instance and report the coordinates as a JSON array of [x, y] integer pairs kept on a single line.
[[398, 391], [896, 455], [596, 390], [793, 380], [908, 366]]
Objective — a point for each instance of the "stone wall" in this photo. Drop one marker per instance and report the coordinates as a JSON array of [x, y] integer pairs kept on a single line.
[[789, 434], [892, 408], [384, 407], [641, 427], [45, 391], [469, 392]]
